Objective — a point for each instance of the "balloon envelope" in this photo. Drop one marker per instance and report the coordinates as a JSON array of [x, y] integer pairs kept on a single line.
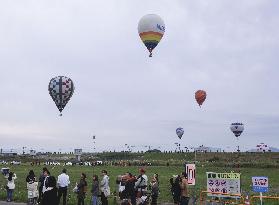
[[151, 29], [61, 89], [179, 132], [200, 96], [237, 128]]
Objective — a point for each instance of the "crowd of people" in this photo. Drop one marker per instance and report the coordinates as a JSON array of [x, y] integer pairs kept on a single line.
[[130, 189]]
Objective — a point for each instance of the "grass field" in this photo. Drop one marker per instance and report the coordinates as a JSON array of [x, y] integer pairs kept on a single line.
[[164, 174]]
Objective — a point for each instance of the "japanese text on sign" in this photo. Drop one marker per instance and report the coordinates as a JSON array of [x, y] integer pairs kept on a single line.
[[260, 184], [223, 182]]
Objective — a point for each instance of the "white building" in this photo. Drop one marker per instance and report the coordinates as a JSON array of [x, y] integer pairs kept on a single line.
[[78, 153], [10, 152], [33, 152], [207, 149]]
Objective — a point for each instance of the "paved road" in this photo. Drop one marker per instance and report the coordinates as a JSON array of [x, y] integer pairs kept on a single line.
[[11, 203]]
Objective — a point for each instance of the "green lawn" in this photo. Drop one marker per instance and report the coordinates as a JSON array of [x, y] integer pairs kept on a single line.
[[164, 174]]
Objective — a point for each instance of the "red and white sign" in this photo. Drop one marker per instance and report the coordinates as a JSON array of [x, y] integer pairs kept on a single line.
[[191, 173]]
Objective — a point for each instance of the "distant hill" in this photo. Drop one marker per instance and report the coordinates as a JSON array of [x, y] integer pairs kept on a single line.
[[274, 149]]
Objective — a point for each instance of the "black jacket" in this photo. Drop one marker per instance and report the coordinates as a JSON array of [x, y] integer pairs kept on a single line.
[[50, 197]]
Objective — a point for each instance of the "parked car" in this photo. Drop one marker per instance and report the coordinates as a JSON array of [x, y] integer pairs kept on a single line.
[[3, 162], [52, 163], [5, 171], [15, 163], [69, 164], [99, 163]]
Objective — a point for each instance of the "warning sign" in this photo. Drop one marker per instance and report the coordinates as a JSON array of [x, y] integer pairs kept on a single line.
[[223, 182], [190, 170]]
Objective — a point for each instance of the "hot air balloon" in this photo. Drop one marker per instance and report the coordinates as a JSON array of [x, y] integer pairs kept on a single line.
[[61, 89], [179, 132], [237, 128], [151, 29], [200, 96]]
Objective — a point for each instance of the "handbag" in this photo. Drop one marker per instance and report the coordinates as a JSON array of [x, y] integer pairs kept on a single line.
[[75, 189], [107, 192]]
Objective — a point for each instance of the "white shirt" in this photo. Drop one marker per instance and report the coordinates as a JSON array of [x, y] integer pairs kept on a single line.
[[63, 180], [142, 182], [104, 183], [11, 184]]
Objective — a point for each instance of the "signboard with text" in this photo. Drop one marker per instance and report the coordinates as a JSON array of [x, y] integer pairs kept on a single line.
[[190, 170], [260, 184], [228, 183]]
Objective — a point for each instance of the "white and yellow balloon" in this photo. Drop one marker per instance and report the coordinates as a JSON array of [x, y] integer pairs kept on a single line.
[[151, 29]]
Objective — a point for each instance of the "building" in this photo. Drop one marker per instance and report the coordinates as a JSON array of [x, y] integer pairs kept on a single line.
[[207, 149], [78, 153], [33, 152], [8, 153]]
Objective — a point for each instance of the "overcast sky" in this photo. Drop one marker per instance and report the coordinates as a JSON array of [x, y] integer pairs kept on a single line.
[[228, 48]]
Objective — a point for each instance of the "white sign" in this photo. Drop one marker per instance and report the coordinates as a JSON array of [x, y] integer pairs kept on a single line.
[[228, 183], [260, 184], [78, 152], [190, 170]]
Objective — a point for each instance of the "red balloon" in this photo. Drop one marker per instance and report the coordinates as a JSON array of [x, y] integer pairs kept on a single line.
[[200, 96]]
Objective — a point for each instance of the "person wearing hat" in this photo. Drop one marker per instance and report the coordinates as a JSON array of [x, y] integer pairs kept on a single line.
[[141, 183], [63, 182], [82, 189], [184, 198]]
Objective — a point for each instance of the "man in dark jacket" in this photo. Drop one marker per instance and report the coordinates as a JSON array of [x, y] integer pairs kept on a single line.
[[41, 180], [50, 195], [130, 192]]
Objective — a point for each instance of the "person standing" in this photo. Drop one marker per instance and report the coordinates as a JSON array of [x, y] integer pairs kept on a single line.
[[82, 188], [95, 190], [50, 193], [154, 190], [141, 184], [45, 183], [63, 182], [105, 189], [32, 188], [129, 188], [10, 186], [176, 190], [41, 180], [184, 189]]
